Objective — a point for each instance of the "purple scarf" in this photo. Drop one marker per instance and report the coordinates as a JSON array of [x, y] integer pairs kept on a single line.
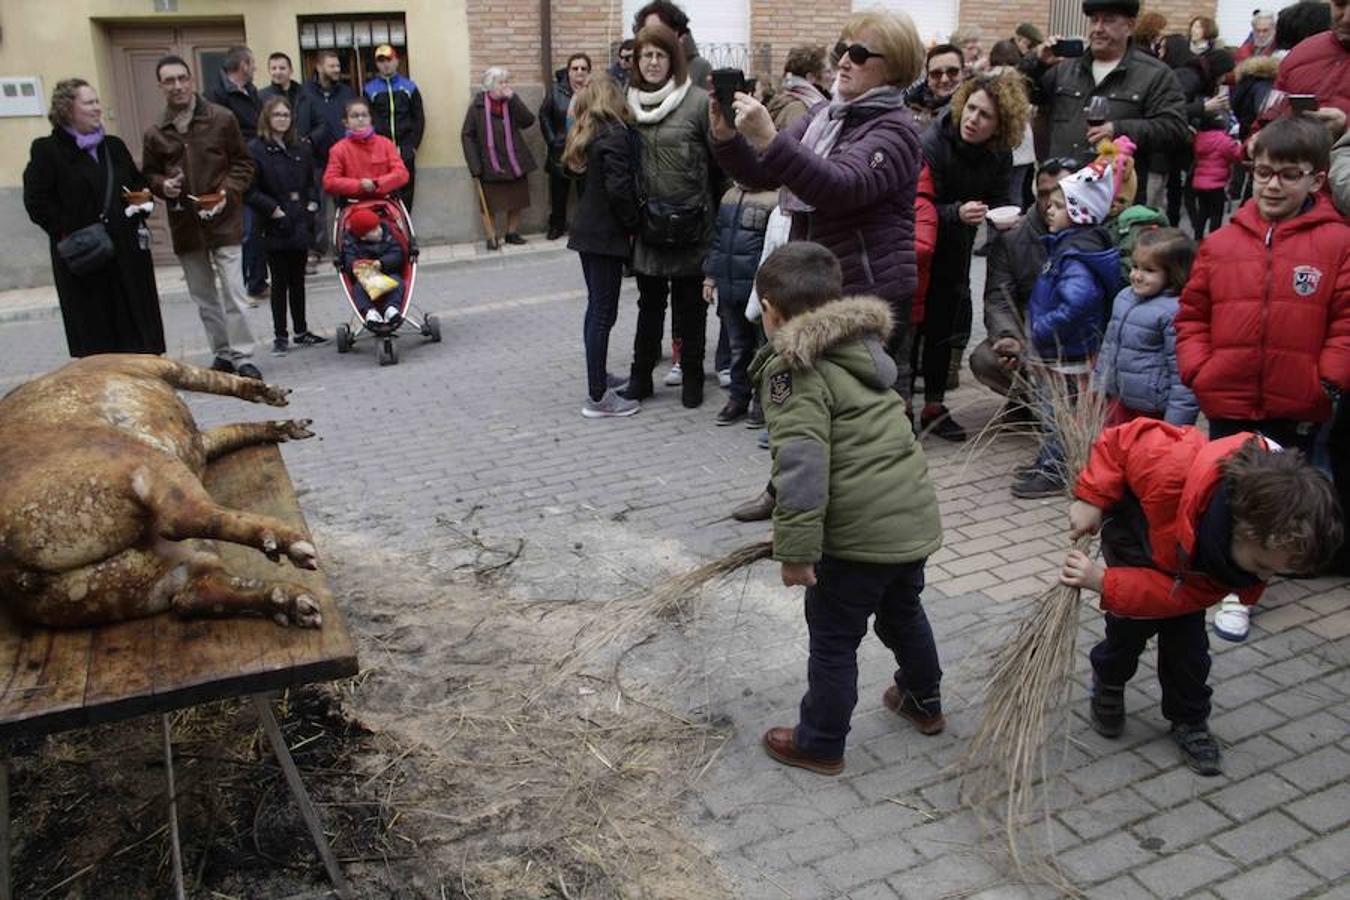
[[87, 142], [505, 106], [362, 134]]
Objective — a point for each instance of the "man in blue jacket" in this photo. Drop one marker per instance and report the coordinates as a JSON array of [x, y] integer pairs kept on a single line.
[[396, 111]]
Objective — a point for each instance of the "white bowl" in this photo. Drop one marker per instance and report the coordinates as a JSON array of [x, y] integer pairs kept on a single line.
[[1003, 217]]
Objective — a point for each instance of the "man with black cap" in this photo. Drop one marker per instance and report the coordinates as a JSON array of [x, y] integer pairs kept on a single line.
[[396, 112], [1134, 93]]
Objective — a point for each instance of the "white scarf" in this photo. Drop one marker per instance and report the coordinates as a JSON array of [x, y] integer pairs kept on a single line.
[[664, 99]]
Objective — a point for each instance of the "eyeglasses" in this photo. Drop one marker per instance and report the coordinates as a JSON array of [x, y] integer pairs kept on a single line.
[[1289, 176], [949, 73], [1057, 164], [857, 53], [626, 56]]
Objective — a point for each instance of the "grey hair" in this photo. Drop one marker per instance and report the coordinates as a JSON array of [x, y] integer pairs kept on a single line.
[[1263, 14], [494, 75]]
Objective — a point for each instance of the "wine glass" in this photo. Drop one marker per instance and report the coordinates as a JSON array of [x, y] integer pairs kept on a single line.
[[1096, 110]]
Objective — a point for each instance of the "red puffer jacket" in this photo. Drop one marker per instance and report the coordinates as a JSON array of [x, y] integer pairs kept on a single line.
[[925, 242], [1173, 472], [375, 157], [1265, 316], [1319, 65]]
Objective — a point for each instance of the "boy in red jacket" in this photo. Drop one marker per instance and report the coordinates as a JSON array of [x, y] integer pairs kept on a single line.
[[1263, 331], [1189, 521]]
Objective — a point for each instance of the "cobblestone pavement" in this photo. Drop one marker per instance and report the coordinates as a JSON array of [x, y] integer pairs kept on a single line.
[[485, 427]]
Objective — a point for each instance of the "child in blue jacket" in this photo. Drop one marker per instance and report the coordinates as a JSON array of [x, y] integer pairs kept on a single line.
[[1067, 309], [729, 276], [1137, 366]]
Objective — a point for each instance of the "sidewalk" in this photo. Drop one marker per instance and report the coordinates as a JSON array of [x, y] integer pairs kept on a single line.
[[23, 304]]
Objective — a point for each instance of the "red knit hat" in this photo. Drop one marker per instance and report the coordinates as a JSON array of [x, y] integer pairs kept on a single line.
[[363, 220]]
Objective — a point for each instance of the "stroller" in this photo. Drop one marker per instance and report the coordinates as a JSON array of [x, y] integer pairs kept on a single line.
[[393, 215]]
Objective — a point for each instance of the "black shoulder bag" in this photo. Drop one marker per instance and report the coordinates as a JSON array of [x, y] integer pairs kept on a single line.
[[90, 249], [663, 223]]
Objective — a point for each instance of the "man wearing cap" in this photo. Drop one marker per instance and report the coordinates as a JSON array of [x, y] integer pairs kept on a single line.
[[1140, 94], [396, 111]]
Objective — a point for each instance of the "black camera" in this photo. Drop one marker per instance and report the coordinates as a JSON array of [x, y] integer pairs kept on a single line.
[[726, 84]]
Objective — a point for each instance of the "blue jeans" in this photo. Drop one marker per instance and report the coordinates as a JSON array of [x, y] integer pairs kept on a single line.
[[604, 279], [741, 341], [846, 595]]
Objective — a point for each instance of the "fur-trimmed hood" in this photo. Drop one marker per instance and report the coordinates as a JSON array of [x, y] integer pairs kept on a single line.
[[852, 332], [1258, 67]]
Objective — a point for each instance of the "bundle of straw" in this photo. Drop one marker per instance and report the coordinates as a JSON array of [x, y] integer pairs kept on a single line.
[[1006, 770]]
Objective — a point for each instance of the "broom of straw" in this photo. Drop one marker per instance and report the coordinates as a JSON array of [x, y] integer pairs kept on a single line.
[[1006, 769]]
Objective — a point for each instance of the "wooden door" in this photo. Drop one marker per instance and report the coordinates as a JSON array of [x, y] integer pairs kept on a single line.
[[135, 102]]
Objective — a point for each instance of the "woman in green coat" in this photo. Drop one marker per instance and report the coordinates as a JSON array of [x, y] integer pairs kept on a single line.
[[671, 118]]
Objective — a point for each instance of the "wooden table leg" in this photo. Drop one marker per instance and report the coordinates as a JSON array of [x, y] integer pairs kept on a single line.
[[263, 703], [174, 846], [5, 892]]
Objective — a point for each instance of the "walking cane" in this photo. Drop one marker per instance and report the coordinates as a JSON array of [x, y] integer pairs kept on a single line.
[[484, 213]]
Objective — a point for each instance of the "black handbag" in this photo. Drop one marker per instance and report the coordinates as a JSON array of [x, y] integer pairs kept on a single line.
[[662, 223], [89, 249]]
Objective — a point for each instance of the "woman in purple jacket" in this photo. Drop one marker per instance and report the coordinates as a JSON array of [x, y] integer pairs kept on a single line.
[[847, 171]]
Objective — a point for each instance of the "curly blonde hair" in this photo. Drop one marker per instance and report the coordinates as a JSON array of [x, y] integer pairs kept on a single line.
[[1009, 92], [63, 100]]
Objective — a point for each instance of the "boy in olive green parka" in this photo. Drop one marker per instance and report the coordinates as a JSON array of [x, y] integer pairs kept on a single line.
[[856, 515]]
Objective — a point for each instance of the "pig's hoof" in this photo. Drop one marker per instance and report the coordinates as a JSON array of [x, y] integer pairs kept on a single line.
[[275, 395], [297, 429], [269, 546], [302, 609], [303, 555]]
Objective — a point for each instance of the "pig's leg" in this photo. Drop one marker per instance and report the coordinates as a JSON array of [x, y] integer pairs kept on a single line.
[[181, 508], [208, 590], [228, 438], [208, 381], [128, 585]]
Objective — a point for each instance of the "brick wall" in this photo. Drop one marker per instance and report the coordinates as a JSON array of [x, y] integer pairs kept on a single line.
[[506, 33], [586, 26], [776, 26], [997, 20]]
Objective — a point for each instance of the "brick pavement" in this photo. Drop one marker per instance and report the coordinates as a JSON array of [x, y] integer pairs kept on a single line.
[[485, 428]]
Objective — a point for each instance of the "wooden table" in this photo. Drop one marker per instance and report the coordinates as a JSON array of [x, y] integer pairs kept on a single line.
[[56, 680]]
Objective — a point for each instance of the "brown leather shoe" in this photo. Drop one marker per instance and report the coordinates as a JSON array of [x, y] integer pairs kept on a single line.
[[905, 707], [756, 510], [781, 744]]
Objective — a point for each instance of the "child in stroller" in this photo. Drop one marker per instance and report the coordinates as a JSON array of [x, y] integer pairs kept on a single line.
[[374, 259]]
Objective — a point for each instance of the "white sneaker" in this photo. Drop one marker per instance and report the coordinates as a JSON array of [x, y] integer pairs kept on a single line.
[[675, 377], [724, 378], [373, 318], [1231, 622], [609, 406], [390, 314]]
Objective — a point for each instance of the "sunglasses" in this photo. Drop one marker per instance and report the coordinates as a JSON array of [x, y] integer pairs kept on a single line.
[[949, 72], [857, 53]]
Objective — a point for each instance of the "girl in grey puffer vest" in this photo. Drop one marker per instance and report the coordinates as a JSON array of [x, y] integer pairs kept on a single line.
[[1137, 364]]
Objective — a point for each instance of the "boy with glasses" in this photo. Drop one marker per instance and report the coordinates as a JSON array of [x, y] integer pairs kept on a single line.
[[1263, 333]]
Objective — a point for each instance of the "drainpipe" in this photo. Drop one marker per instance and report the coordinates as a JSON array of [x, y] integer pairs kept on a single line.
[[546, 41]]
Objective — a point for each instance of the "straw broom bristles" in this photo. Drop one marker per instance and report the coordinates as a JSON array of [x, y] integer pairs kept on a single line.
[[1007, 774]]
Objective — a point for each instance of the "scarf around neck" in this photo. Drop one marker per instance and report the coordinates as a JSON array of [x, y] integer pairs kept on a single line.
[[798, 87], [663, 101], [500, 108], [361, 134], [828, 123], [87, 142]]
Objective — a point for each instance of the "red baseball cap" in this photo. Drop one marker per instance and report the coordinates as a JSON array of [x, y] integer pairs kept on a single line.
[[384, 51]]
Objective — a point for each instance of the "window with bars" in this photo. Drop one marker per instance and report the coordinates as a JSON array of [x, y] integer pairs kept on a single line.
[[354, 39], [1066, 18]]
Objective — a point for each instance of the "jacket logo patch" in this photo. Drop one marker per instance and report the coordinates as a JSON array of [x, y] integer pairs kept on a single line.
[[780, 387], [1306, 280], [878, 160]]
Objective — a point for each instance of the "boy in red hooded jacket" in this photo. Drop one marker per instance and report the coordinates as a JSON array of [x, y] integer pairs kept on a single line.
[[1263, 331], [1183, 522]]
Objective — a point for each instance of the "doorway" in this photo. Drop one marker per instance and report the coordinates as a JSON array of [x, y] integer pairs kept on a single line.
[[136, 101]]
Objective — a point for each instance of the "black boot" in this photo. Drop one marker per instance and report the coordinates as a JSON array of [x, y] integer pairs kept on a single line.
[[691, 388], [639, 385], [1108, 709]]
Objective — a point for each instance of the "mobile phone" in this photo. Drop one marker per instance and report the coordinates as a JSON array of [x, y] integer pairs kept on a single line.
[[726, 84], [1303, 102], [1067, 48]]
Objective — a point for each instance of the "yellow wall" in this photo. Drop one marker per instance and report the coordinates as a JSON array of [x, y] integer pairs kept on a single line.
[[63, 38]]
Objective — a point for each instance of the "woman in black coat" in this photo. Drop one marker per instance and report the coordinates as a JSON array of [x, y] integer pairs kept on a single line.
[[284, 197], [968, 150], [65, 186], [602, 149]]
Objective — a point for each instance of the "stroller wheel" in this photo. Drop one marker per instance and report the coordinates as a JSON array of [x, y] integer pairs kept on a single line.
[[343, 338], [431, 327], [388, 354]]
